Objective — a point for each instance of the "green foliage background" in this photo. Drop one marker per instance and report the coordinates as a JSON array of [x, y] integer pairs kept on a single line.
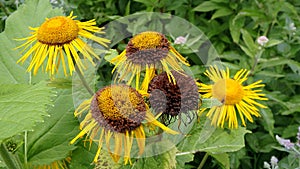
[[38, 117]]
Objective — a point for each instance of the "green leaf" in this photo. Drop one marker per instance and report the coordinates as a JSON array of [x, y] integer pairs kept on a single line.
[[223, 159], [148, 2], [207, 6], [166, 160], [251, 13], [268, 120], [264, 63], [269, 74], [273, 42], [61, 83], [249, 41], [17, 27], [290, 131], [109, 55], [247, 51], [22, 106], [213, 140], [295, 66], [49, 141], [236, 157], [221, 12], [208, 103], [2, 164], [260, 142], [182, 159], [235, 26], [83, 157]]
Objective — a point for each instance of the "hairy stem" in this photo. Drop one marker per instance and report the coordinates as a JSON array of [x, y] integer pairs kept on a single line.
[[84, 82]]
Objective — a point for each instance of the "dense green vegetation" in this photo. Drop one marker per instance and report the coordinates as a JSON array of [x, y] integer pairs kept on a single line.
[[39, 131]]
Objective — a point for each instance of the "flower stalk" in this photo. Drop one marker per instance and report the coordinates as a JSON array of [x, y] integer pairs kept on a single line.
[[203, 161]]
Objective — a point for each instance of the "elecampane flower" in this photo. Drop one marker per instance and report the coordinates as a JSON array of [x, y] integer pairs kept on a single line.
[[174, 99], [234, 96], [150, 51], [57, 40], [116, 112]]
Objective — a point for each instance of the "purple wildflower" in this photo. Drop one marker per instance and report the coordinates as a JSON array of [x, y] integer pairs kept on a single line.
[[262, 40], [180, 40], [285, 142]]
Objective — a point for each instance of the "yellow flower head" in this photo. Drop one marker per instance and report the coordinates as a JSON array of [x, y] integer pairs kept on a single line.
[[234, 96], [58, 40], [174, 99], [149, 51], [116, 112]]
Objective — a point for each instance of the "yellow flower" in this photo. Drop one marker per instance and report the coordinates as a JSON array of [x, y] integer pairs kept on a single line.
[[150, 51], [235, 97], [116, 112], [58, 40], [54, 165]]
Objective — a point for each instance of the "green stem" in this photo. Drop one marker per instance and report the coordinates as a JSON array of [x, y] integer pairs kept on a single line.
[[203, 161], [298, 152], [84, 82], [11, 161], [25, 149], [256, 59]]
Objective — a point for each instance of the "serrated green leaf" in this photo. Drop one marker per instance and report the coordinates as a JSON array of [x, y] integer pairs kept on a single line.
[[22, 106], [17, 27], [221, 12], [207, 6], [213, 140], [268, 120], [49, 141]]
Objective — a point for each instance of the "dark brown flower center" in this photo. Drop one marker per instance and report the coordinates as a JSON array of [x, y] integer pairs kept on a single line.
[[147, 48], [173, 99], [118, 108]]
